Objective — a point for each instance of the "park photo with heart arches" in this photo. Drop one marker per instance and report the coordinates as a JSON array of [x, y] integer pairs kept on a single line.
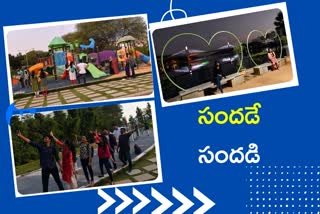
[[187, 54]]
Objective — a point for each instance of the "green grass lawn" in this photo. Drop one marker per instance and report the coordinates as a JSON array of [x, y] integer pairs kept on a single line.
[[34, 165], [28, 167]]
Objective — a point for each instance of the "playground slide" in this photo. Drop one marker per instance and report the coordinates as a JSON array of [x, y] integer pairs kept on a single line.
[[95, 72], [143, 57]]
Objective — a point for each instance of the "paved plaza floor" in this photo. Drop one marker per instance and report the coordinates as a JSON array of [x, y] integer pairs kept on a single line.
[[123, 88]]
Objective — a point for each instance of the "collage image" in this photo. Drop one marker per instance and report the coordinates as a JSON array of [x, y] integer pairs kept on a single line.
[[97, 75]]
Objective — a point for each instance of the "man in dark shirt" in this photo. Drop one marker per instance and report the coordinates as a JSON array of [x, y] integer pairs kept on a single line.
[[124, 147], [48, 158]]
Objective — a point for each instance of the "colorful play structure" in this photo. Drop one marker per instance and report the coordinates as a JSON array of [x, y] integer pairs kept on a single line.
[[62, 52]]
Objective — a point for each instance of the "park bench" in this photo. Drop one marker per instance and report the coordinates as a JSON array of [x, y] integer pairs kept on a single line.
[[198, 91], [261, 69]]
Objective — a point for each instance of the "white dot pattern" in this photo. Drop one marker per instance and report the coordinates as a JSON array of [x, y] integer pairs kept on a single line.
[[284, 190]]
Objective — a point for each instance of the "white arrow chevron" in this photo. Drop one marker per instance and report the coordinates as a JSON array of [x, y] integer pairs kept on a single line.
[[144, 201], [207, 203], [107, 198], [126, 201], [165, 203], [186, 203]]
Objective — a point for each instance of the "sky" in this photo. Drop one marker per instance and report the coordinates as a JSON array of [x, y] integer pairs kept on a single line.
[[130, 108], [240, 25], [36, 38]]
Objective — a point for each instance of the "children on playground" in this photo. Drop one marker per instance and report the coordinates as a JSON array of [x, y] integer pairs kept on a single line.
[[82, 71], [72, 71]]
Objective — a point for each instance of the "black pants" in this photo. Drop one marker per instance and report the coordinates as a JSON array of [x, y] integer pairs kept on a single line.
[[82, 76], [105, 162], [133, 73], [86, 167], [125, 156], [45, 178]]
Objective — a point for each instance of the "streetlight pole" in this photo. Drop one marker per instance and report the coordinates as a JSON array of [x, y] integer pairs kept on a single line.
[[26, 53]]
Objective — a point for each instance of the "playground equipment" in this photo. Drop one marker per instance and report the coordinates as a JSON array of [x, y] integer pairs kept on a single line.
[[95, 72], [145, 59], [91, 45], [36, 68], [127, 44]]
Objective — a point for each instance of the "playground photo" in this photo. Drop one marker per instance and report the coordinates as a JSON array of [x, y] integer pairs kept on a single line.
[[53, 64], [115, 145], [213, 57]]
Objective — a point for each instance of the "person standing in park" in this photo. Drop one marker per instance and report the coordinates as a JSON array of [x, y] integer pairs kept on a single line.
[[34, 82], [124, 147], [146, 128], [111, 66], [112, 145], [116, 133], [127, 68], [68, 160], [273, 59], [26, 78], [48, 159], [86, 155], [104, 155], [217, 75], [132, 64], [44, 82], [72, 73], [82, 71]]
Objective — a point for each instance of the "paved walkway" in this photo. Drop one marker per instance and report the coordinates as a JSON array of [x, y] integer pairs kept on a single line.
[[31, 182], [141, 85]]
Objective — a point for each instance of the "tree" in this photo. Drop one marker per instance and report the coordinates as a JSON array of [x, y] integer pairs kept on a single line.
[[148, 112], [132, 122], [140, 117], [279, 23], [106, 33]]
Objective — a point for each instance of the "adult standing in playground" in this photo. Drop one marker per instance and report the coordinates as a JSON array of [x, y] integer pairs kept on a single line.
[[48, 158], [110, 65], [26, 78], [82, 71], [72, 73], [132, 64], [44, 82], [217, 75], [34, 82]]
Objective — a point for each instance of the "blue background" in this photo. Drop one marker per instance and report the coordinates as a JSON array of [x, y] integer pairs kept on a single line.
[[287, 134]]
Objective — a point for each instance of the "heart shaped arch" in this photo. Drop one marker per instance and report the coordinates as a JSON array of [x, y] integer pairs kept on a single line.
[[265, 36], [203, 39]]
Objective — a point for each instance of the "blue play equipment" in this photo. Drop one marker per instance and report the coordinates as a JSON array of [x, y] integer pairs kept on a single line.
[[91, 45]]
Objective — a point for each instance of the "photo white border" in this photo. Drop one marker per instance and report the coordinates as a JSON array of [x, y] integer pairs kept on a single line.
[[7, 29], [178, 22], [158, 180]]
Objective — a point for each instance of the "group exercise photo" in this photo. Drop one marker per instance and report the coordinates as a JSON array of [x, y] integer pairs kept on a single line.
[[83, 148]]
